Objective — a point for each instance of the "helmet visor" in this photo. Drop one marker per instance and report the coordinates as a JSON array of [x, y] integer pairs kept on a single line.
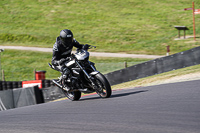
[[67, 41]]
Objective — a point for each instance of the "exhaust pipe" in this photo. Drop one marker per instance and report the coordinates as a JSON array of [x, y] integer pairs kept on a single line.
[[60, 86]]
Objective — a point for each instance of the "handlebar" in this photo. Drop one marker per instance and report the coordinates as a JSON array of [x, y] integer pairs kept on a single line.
[[87, 46]]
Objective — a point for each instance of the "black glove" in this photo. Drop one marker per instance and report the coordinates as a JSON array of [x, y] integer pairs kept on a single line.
[[86, 46]]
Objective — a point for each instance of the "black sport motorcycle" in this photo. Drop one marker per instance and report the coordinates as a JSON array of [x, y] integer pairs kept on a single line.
[[83, 77]]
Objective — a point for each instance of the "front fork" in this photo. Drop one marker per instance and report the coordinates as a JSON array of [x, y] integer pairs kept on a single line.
[[89, 76]]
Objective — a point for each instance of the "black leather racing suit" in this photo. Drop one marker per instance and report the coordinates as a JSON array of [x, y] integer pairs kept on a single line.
[[62, 52]]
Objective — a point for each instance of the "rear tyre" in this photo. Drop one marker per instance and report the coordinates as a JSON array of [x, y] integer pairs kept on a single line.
[[104, 89], [73, 96]]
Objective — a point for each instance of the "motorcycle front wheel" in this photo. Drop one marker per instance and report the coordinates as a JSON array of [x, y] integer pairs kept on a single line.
[[73, 96], [104, 89]]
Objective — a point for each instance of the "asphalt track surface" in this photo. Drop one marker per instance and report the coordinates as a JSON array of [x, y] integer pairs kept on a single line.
[[168, 108]]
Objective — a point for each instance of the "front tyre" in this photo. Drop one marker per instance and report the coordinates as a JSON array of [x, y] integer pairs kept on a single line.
[[103, 86]]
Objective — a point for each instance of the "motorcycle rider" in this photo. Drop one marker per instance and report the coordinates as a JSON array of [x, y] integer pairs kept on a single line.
[[62, 50]]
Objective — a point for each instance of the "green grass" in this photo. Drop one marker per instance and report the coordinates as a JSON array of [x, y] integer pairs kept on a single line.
[[130, 26], [20, 65]]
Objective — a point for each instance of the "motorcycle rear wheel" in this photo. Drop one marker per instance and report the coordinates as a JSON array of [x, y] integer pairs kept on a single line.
[[73, 96], [104, 89]]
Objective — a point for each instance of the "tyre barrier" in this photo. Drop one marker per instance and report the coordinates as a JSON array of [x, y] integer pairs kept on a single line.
[[15, 84], [5, 85], [9, 84]]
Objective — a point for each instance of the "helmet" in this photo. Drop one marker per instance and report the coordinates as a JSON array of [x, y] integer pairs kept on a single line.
[[67, 37]]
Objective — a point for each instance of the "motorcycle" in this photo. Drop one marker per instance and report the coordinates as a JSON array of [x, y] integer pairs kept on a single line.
[[83, 77]]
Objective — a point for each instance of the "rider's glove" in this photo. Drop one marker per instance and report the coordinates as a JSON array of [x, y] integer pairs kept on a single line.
[[86, 46]]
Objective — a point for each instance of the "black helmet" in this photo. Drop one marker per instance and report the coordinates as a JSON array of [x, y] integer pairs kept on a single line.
[[67, 37]]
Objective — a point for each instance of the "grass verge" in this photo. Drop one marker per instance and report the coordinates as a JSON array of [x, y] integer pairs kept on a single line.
[[179, 75]]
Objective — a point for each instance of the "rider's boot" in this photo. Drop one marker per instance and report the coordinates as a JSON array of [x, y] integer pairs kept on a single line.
[[65, 72], [65, 78]]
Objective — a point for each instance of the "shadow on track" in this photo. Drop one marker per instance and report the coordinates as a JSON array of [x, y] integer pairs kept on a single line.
[[115, 95], [126, 94]]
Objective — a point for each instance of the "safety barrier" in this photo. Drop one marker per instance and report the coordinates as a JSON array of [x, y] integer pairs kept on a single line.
[[14, 98], [6, 98], [176, 61], [52, 93]]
